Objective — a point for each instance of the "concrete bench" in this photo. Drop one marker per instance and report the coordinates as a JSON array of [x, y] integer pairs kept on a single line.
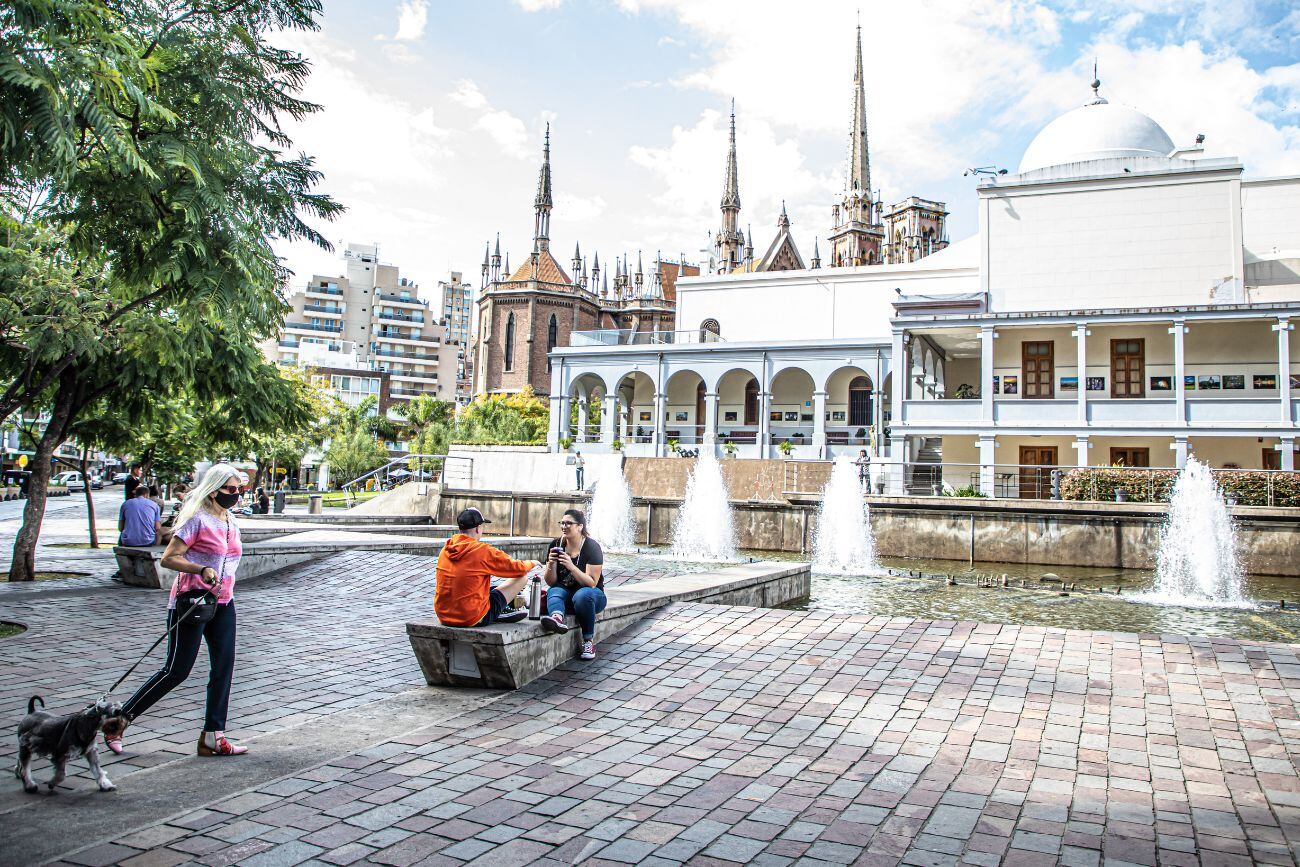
[[507, 656], [142, 567]]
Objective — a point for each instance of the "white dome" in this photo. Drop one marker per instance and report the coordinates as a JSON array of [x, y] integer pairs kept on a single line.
[[1096, 131]]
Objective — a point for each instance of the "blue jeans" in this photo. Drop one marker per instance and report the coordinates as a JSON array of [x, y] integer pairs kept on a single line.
[[584, 603]]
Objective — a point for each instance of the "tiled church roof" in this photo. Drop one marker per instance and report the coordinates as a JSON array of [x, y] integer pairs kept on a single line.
[[548, 271]]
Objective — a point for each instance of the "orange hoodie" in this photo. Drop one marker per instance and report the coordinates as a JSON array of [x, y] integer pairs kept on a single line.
[[465, 570]]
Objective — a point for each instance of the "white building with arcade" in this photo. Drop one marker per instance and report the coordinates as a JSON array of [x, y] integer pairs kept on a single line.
[[1126, 301]]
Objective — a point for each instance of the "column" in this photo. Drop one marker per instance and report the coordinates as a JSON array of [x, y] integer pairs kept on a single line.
[[710, 418], [896, 466], [1179, 331], [819, 423], [661, 428], [1081, 333], [987, 336], [1082, 445], [1287, 448], [582, 421], [764, 425], [1283, 329], [565, 432], [988, 469], [609, 419], [1180, 452], [554, 430], [878, 407], [901, 372]]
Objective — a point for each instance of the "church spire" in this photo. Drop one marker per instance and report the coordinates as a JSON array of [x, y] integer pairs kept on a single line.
[[731, 186], [728, 245], [542, 203], [859, 177]]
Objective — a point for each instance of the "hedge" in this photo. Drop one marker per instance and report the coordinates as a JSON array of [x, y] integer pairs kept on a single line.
[[1155, 486]]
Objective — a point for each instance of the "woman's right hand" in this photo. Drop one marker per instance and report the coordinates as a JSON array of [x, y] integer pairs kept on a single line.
[[212, 581]]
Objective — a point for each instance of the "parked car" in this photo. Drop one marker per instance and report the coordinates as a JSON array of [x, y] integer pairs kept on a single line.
[[71, 480], [97, 483], [119, 478]]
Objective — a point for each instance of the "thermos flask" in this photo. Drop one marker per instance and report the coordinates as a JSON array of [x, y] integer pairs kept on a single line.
[[535, 598]]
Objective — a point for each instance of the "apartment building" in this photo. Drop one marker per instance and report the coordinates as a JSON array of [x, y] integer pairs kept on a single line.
[[376, 317], [457, 298]]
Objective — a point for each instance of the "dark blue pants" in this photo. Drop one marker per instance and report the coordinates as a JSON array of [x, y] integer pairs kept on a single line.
[[182, 650], [584, 603]]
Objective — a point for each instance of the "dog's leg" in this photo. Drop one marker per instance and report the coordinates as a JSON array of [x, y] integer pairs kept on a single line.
[[24, 769], [92, 756], [60, 772]]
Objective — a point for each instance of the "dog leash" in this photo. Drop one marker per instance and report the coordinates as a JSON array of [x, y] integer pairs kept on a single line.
[[202, 599]]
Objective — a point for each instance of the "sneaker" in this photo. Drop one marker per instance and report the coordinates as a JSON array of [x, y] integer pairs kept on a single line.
[[512, 615], [588, 650], [555, 623]]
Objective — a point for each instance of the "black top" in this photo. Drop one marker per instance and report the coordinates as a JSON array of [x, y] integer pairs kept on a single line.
[[129, 486], [590, 555]]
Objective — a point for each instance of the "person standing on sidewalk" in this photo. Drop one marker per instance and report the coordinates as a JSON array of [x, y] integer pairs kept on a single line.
[[205, 552], [578, 467]]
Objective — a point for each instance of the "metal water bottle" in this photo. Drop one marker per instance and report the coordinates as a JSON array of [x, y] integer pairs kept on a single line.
[[535, 597]]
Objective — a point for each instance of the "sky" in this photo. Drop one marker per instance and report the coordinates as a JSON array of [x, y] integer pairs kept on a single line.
[[433, 113]]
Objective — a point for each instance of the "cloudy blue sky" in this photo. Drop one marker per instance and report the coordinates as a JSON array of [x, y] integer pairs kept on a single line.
[[434, 111]]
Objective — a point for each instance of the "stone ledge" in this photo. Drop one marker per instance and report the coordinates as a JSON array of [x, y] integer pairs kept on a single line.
[[508, 656]]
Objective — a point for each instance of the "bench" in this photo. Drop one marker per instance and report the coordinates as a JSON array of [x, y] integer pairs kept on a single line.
[[510, 655]]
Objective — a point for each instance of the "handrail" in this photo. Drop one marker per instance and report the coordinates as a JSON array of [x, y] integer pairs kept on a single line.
[[349, 489]]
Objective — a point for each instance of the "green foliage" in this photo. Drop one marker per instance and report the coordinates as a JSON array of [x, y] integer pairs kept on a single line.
[[353, 447], [786, 447], [966, 391], [429, 424], [965, 491], [674, 446], [617, 445], [1155, 486], [730, 448], [502, 419], [566, 443]]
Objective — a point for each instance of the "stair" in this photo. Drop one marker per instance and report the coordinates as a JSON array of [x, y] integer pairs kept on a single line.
[[921, 481]]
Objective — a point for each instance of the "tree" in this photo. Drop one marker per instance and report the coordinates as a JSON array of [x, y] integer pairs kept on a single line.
[[147, 150], [286, 444], [429, 422], [353, 447], [503, 418]]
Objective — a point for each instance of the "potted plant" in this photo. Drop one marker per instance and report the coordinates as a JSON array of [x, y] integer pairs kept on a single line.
[[617, 445], [966, 391], [729, 448], [786, 448], [674, 446], [565, 443]]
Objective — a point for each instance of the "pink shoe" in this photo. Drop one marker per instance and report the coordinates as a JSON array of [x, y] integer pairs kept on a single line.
[[113, 741], [215, 744]]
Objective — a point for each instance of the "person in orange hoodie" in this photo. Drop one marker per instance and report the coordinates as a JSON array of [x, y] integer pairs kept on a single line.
[[464, 595]]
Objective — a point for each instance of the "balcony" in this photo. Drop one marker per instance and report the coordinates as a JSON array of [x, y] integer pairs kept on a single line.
[[628, 337], [941, 412], [402, 299], [1121, 411], [332, 291], [335, 309], [398, 317], [1233, 410], [410, 392], [1035, 412], [334, 329], [414, 356]]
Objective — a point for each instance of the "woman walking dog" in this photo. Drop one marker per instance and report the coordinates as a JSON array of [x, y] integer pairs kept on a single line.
[[204, 550]]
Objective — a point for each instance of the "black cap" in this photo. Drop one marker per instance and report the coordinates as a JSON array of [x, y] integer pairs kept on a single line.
[[470, 518]]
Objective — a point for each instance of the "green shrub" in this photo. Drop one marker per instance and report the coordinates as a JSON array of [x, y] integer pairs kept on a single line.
[[1155, 486], [967, 491]]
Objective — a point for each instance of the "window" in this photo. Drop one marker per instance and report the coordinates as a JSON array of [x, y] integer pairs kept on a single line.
[[1130, 457], [1127, 369], [510, 342], [860, 402], [552, 335], [1038, 369], [751, 402], [709, 327]]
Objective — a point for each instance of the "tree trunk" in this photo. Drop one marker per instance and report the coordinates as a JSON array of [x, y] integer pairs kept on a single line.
[[23, 565], [90, 500], [257, 476]]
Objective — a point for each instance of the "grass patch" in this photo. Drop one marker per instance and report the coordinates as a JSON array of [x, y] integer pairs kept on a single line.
[[9, 630], [49, 576], [334, 499]]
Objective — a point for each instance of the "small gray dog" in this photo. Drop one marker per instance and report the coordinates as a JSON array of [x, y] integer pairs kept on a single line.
[[59, 737]]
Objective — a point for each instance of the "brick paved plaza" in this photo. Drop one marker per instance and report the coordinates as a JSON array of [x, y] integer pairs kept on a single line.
[[705, 734]]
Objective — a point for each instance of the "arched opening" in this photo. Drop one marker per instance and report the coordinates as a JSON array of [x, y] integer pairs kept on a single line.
[[751, 402], [850, 407], [790, 411], [510, 342], [710, 330], [636, 393], [860, 402], [738, 407], [685, 422], [586, 405], [552, 336]]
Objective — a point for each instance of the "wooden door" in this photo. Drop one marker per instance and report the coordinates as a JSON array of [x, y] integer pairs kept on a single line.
[[751, 402], [860, 402], [1036, 465], [1127, 368], [1130, 457], [1038, 369]]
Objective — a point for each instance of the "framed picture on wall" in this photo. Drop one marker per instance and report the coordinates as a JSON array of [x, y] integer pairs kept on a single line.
[[1010, 385], [1295, 381], [792, 416], [1234, 382], [1265, 381], [806, 416], [997, 385], [679, 416], [1162, 383], [837, 415], [728, 416], [774, 415], [643, 416], [1209, 382], [1096, 383], [1069, 383]]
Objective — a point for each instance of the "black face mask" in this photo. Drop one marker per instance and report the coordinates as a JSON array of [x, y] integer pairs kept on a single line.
[[225, 500]]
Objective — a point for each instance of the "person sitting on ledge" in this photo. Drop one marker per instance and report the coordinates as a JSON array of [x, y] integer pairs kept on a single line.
[[573, 573], [464, 595]]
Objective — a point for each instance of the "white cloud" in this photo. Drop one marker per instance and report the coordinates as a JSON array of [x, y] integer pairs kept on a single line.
[[412, 17], [579, 209], [539, 5], [505, 129]]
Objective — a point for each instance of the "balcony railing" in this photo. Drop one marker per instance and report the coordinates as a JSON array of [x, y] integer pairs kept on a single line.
[[324, 290], [336, 329], [324, 308], [402, 299], [409, 392], [414, 356], [628, 337], [400, 317]]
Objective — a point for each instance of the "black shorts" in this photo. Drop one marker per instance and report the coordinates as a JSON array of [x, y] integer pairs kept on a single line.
[[497, 606]]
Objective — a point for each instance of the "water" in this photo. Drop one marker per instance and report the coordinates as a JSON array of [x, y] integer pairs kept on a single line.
[[1197, 562], [610, 513], [844, 544], [704, 530]]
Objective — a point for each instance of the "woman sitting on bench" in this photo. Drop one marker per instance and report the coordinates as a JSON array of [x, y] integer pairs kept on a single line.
[[575, 584]]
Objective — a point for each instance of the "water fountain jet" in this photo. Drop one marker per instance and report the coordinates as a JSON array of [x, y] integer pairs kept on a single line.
[[705, 530], [1197, 563], [845, 544], [610, 514]]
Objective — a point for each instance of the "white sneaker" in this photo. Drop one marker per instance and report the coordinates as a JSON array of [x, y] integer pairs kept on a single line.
[[588, 650]]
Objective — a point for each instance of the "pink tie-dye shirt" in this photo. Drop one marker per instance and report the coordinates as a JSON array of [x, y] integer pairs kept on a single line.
[[212, 542]]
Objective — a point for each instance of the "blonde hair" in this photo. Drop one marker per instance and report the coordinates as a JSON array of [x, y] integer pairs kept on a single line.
[[197, 497]]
